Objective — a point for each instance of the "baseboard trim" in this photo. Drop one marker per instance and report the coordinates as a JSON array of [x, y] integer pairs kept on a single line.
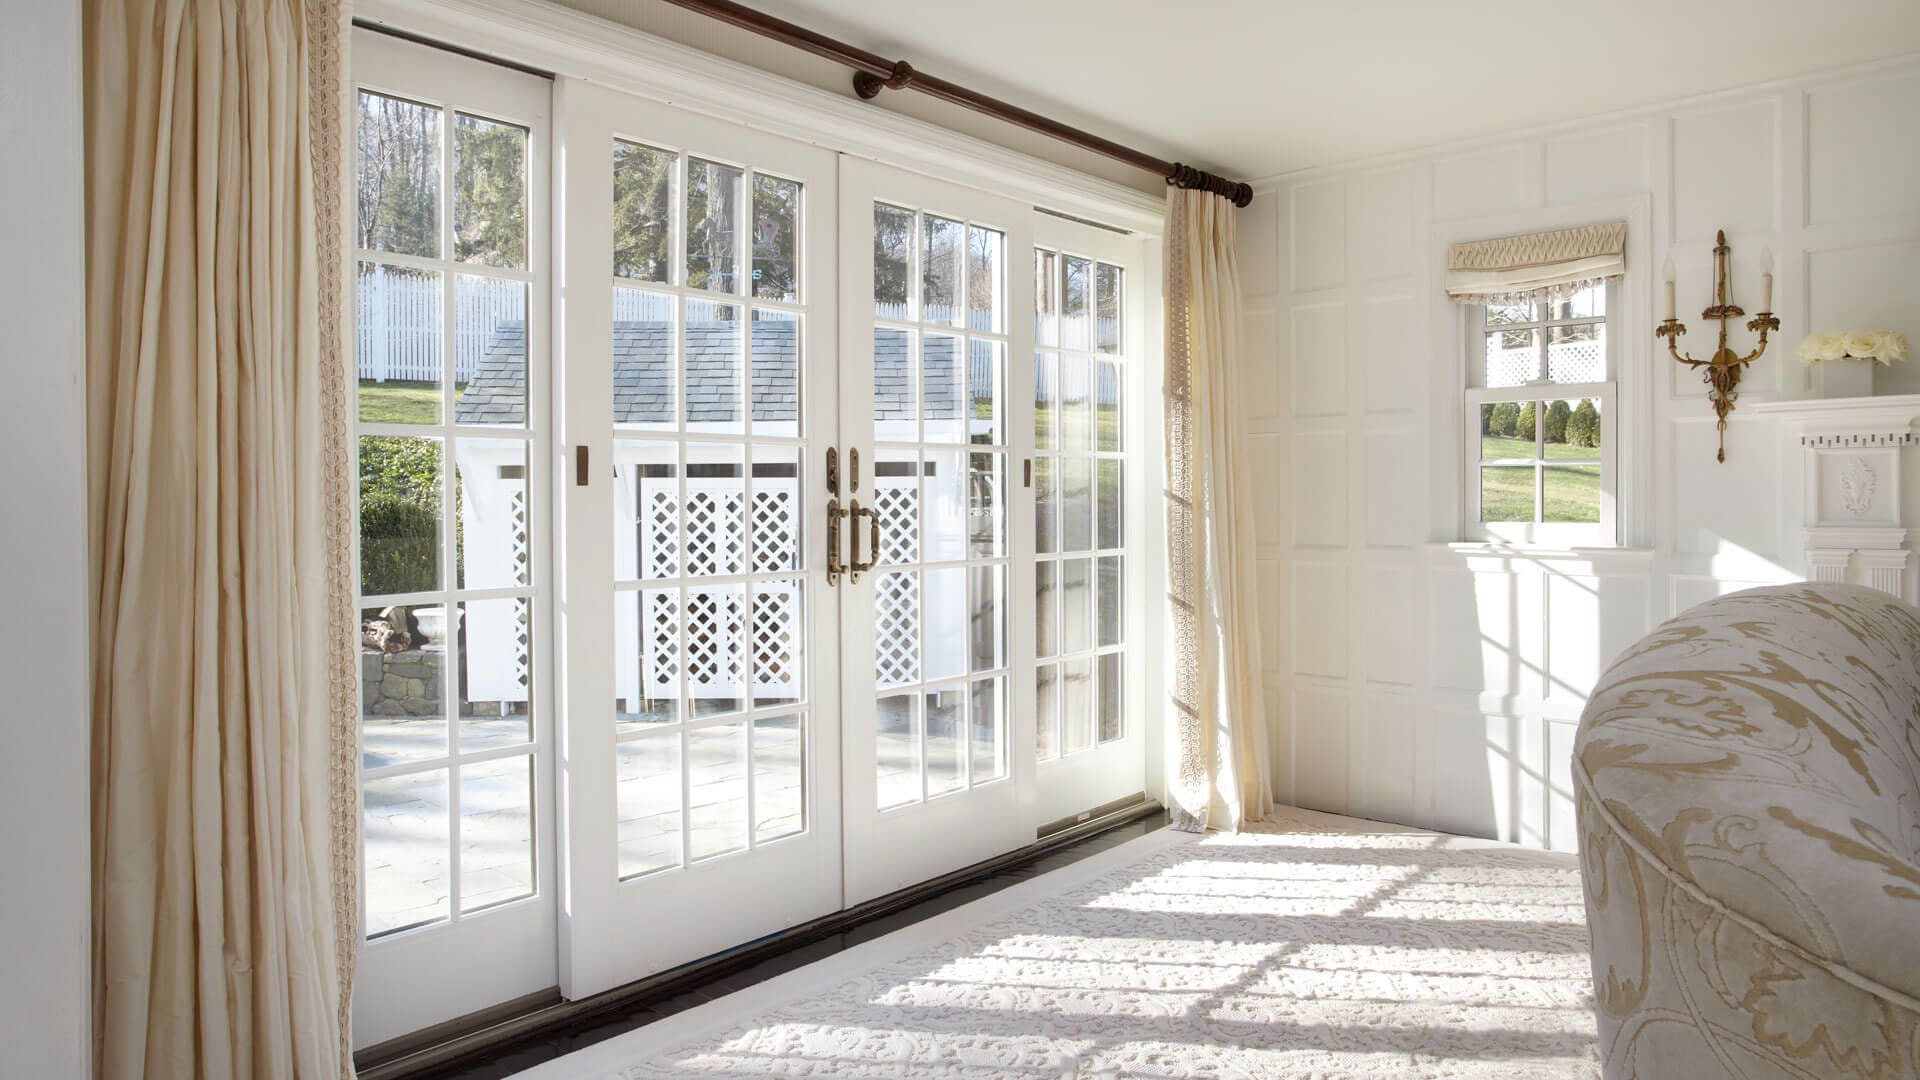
[[456, 1041]]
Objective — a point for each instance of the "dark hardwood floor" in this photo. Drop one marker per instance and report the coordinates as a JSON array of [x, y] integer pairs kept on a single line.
[[547, 1045]]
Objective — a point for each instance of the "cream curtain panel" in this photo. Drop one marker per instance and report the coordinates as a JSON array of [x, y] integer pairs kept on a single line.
[[223, 823], [1219, 771], [1537, 266]]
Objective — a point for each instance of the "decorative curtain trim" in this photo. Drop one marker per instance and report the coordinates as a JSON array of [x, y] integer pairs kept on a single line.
[[1219, 774], [1537, 266]]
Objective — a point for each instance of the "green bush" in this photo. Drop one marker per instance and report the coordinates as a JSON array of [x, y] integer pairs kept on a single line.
[[1501, 418], [1583, 426], [1523, 425], [1557, 414], [399, 543]]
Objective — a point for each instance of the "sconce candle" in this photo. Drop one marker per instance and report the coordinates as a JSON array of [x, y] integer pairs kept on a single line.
[[1668, 315], [1722, 371], [1766, 279]]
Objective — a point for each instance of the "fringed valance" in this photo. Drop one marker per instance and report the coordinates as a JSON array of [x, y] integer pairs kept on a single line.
[[1536, 267]]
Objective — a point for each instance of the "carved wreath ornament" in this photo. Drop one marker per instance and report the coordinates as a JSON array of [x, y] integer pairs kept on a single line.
[[1857, 482]]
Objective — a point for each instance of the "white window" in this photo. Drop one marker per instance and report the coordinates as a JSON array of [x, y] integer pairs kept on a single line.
[[1540, 419]]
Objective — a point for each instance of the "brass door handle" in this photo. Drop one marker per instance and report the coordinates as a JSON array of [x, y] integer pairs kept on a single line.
[[855, 513], [834, 569]]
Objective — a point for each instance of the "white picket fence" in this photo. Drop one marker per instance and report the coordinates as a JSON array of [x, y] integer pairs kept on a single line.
[[401, 324]]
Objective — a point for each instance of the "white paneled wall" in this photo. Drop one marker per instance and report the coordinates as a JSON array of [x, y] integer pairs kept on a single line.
[[1415, 679]]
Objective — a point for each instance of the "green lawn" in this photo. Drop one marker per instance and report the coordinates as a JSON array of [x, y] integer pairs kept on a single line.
[[401, 402], [1506, 494]]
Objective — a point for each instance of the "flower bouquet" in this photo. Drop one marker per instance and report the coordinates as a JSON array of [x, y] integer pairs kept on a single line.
[[1885, 347]]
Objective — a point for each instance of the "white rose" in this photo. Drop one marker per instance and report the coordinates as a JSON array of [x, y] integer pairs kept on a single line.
[[1810, 347], [1860, 344], [1833, 347], [1891, 348]]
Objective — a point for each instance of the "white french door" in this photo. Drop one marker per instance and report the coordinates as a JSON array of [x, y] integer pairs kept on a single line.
[[700, 730], [621, 710], [451, 284]]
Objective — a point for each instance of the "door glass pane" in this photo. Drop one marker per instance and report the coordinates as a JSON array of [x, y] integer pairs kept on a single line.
[[1112, 696], [945, 610], [946, 740], [776, 369], [945, 524], [496, 832], [1046, 608], [1046, 397], [776, 514], [1073, 324], [942, 393], [716, 653], [1046, 298], [986, 618], [642, 212], [496, 673], [896, 411], [897, 628], [986, 510], [647, 795], [943, 258], [714, 523], [490, 488], [987, 726], [489, 192], [399, 177], [717, 798], [400, 520], [1076, 400], [896, 499], [1111, 511], [1047, 711], [407, 838], [779, 642], [892, 261], [1107, 289], [399, 349], [986, 374], [779, 776], [897, 750], [1046, 508], [1076, 504], [713, 207], [1077, 703], [714, 359], [647, 664], [776, 238], [1076, 607], [985, 305], [402, 685], [1112, 591], [1106, 406], [646, 361], [490, 351]]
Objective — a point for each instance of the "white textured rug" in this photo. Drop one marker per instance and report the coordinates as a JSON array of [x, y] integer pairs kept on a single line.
[[1318, 946]]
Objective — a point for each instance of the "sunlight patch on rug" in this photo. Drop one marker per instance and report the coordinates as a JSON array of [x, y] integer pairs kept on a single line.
[[1316, 946]]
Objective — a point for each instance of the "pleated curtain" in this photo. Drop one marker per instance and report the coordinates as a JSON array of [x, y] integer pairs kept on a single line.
[[223, 823], [1219, 773]]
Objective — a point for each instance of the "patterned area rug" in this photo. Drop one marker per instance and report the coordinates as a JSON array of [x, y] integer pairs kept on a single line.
[[1316, 946]]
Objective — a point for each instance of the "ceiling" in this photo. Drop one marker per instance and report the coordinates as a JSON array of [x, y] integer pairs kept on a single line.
[[1256, 88]]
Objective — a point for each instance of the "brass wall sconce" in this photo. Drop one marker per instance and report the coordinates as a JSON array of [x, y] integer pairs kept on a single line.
[[1722, 372]]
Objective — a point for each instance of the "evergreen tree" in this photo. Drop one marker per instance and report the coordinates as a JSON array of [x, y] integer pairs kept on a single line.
[[642, 212], [1583, 426], [489, 192], [1523, 426], [1502, 418], [1557, 414]]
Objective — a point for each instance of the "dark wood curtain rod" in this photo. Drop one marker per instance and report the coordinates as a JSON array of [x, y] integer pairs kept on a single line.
[[874, 73]]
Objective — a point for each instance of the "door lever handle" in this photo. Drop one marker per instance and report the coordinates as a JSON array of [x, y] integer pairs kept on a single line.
[[855, 513], [835, 512]]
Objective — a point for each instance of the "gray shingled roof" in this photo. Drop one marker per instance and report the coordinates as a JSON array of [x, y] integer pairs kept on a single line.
[[643, 375]]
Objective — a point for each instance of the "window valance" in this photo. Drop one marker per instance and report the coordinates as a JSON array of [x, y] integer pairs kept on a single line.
[[1537, 266]]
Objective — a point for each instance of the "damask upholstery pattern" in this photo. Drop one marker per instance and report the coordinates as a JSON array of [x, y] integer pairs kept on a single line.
[[1748, 793]]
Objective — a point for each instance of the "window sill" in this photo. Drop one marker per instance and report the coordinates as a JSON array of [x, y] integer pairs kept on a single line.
[[1496, 549]]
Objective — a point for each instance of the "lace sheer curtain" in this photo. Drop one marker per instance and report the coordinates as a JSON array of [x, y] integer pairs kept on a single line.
[[223, 825], [1220, 773]]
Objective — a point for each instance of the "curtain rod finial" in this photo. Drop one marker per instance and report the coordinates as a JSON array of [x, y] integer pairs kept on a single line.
[[1192, 179]]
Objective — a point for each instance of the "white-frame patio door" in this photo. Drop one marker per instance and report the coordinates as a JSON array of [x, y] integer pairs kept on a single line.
[[451, 278], [699, 636], [936, 332]]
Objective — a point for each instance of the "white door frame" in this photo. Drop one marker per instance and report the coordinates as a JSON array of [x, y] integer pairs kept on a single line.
[[414, 978], [613, 931]]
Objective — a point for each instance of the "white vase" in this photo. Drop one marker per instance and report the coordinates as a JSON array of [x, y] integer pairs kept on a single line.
[[1844, 378]]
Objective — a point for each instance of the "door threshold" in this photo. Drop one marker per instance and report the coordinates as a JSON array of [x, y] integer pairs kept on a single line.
[[464, 1039]]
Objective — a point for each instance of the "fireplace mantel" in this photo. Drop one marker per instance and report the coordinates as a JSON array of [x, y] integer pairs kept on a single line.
[[1853, 452]]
